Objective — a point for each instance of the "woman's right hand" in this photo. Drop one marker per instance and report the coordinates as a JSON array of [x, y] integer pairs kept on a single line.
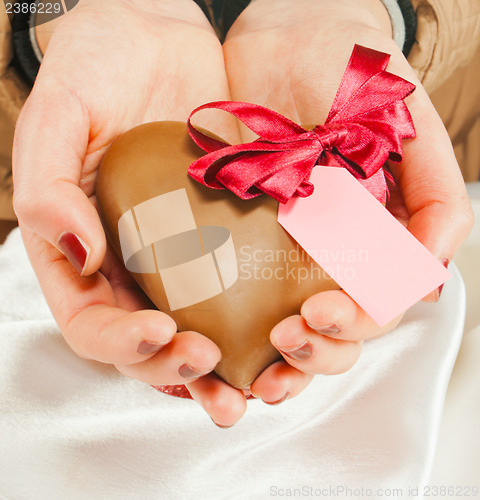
[[290, 57], [110, 66]]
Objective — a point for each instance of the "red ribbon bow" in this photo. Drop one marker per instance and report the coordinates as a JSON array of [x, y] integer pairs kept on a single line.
[[364, 128]]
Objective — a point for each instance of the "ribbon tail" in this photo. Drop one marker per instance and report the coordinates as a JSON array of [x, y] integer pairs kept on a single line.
[[363, 64]]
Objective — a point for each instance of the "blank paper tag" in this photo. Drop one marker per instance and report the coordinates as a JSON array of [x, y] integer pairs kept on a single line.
[[361, 245]]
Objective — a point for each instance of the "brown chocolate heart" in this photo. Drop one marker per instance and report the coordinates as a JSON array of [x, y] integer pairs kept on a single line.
[[217, 264]]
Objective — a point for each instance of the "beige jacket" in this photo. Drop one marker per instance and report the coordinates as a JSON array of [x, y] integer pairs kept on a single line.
[[13, 92], [446, 57]]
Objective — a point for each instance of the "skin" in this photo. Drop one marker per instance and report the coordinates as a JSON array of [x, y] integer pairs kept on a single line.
[[430, 197], [158, 61]]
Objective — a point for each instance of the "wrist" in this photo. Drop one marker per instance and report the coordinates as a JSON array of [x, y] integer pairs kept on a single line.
[[351, 15], [371, 12], [148, 10], [42, 34]]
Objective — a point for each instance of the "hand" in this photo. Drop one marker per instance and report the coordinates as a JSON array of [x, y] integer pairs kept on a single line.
[[110, 66], [290, 57]]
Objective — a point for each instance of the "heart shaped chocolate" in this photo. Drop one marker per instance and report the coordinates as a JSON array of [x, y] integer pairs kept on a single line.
[[217, 264]]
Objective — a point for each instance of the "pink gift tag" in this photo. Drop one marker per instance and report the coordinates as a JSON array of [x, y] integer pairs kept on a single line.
[[361, 245]]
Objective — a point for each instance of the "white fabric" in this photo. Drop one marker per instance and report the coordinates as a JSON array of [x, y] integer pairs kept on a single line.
[[76, 429], [458, 457]]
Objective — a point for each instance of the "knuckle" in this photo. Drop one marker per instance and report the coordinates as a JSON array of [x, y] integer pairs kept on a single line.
[[462, 216], [31, 204], [24, 206], [468, 217]]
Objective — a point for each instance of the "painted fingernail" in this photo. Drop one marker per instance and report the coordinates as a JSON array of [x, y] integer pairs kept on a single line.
[[148, 347], [445, 262], [75, 250], [222, 426], [301, 353], [273, 403], [326, 329], [186, 371]]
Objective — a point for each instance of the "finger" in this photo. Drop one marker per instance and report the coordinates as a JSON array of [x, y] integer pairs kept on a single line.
[[126, 291], [440, 214], [334, 314], [279, 382], [87, 312], [187, 357], [311, 352], [51, 141], [111, 335], [224, 404]]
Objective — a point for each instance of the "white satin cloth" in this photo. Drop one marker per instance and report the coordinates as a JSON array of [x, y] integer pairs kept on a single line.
[[76, 429], [457, 461]]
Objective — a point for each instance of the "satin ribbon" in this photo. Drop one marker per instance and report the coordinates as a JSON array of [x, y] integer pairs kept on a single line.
[[364, 128]]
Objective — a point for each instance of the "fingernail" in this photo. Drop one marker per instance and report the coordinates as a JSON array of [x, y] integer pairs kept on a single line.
[[325, 330], [75, 250], [301, 353], [273, 403], [186, 371], [445, 262], [222, 426], [148, 347]]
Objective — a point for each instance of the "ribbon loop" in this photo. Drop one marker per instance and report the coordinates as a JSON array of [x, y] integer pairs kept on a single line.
[[364, 129]]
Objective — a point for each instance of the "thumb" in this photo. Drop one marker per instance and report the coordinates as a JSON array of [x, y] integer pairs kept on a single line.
[[50, 145]]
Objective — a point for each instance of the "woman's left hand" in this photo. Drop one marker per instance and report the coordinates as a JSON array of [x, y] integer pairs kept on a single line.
[[290, 57]]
